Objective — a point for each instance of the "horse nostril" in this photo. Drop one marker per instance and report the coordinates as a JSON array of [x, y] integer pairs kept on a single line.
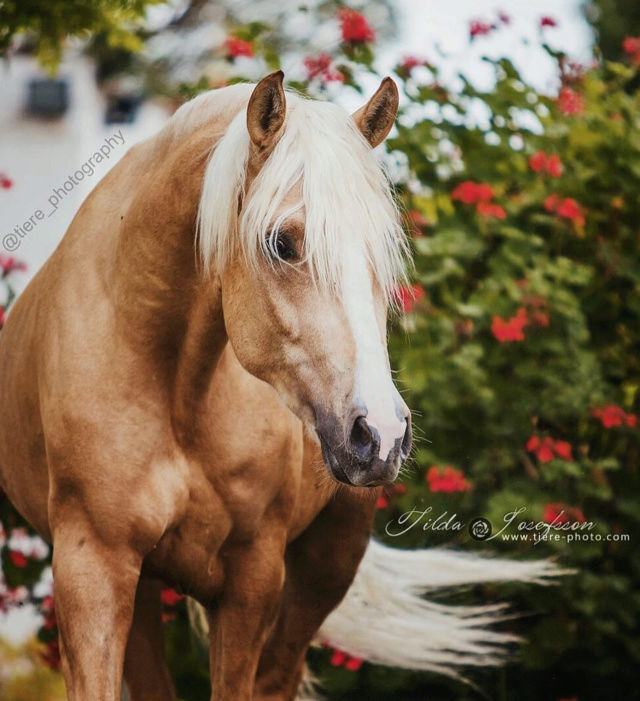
[[364, 440], [407, 440]]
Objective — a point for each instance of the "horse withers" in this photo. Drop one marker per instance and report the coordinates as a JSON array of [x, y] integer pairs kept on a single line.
[[197, 393]]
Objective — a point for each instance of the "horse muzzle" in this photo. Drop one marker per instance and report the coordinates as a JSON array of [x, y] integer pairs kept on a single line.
[[356, 460]]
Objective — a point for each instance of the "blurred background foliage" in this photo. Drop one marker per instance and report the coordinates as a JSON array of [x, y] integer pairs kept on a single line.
[[519, 343]]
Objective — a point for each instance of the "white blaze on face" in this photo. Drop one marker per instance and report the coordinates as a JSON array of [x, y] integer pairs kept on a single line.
[[374, 388]]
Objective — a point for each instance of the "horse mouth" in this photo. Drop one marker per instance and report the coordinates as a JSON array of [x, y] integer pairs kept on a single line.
[[379, 473], [331, 461]]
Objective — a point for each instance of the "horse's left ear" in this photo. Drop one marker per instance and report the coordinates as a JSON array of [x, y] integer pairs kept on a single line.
[[376, 118], [266, 111]]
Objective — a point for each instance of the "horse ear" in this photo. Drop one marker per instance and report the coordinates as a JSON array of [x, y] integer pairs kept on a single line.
[[266, 110], [376, 118]]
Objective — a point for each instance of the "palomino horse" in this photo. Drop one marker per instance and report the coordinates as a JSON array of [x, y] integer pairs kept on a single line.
[[196, 392], [217, 421]]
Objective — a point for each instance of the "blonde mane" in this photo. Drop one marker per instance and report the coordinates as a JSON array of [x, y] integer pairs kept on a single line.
[[345, 193]]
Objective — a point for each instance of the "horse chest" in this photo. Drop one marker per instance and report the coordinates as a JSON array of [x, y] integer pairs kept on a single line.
[[193, 555]]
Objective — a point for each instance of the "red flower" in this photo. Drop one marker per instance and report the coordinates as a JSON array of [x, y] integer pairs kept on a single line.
[[611, 415], [9, 264], [49, 612], [532, 444], [546, 449], [551, 202], [542, 162], [544, 452], [631, 47], [538, 162], [18, 559], [339, 658], [479, 28], [448, 481], [382, 502], [354, 26], [322, 68], [5, 182], [51, 655], [170, 597], [566, 208], [554, 166], [490, 209], [353, 664], [559, 513], [411, 62], [563, 450], [570, 101], [408, 296], [472, 193], [238, 47], [507, 330], [570, 209], [548, 22]]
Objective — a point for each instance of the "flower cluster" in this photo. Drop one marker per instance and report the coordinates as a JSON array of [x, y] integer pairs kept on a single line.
[[541, 162], [478, 27], [407, 297], [471, 192], [512, 329], [51, 654], [339, 658], [565, 207], [631, 47], [611, 415], [411, 62], [11, 597], [170, 598], [570, 101], [535, 313], [559, 513], [546, 449], [321, 67], [481, 195], [354, 27], [447, 480], [236, 47], [8, 264]]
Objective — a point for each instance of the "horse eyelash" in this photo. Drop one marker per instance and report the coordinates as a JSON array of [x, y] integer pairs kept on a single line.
[[277, 237]]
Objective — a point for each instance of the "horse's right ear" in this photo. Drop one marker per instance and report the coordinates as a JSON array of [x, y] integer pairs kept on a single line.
[[266, 111]]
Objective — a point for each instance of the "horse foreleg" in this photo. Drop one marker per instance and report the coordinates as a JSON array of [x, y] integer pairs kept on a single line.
[[145, 667], [321, 564], [95, 587], [240, 623]]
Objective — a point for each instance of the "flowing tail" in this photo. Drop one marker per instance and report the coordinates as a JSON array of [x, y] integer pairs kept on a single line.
[[385, 618]]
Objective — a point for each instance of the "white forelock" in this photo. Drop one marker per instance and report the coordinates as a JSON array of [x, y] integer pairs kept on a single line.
[[345, 195]]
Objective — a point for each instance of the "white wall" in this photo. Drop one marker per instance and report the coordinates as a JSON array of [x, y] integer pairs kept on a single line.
[[39, 154]]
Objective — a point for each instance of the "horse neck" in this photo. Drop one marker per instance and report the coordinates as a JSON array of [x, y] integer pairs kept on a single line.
[[167, 309]]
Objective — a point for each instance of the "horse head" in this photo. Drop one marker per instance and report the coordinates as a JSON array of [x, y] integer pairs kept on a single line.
[[298, 220]]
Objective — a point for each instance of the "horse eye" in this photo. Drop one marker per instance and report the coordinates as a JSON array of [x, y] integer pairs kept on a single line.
[[282, 248]]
